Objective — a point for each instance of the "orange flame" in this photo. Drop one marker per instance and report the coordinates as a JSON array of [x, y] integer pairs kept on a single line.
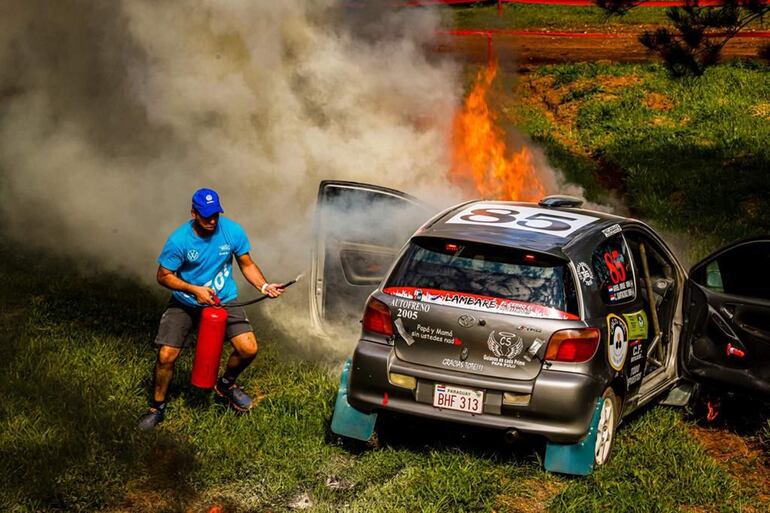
[[479, 160]]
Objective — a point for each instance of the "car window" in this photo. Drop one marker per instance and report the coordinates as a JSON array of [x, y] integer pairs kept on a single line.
[[486, 270], [614, 271], [740, 271], [714, 277]]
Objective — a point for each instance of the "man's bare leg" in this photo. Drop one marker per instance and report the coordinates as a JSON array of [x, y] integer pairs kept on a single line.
[[164, 371], [244, 350]]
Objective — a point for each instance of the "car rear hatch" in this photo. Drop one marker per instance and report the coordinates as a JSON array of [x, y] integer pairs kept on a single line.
[[478, 308]]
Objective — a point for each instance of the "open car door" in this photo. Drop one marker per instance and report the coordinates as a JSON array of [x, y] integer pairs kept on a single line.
[[726, 341], [359, 231]]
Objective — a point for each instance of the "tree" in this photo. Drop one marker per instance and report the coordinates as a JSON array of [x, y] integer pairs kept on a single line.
[[698, 34]]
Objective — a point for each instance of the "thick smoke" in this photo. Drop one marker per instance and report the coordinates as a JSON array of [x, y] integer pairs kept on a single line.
[[113, 113]]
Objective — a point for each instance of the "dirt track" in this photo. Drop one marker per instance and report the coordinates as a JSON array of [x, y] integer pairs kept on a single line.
[[517, 48]]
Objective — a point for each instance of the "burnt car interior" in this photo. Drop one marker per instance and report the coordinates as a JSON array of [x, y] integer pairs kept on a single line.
[[658, 286], [487, 270]]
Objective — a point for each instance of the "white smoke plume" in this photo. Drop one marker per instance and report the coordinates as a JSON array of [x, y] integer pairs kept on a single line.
[[113, 113]]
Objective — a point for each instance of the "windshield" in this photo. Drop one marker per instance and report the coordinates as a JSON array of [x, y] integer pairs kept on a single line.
[[485, 276]]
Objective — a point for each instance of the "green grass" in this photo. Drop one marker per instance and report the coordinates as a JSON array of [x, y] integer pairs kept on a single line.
[[76, 360], [656, 457], [691, 156]]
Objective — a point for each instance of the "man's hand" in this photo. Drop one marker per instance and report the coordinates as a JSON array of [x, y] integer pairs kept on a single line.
[[204, 295], [273, 289]]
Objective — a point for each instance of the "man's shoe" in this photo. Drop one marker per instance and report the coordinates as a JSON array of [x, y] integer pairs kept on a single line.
[[238, 399], [152, 418]]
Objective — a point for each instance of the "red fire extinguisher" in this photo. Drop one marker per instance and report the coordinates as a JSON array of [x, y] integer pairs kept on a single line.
[[211, 338]]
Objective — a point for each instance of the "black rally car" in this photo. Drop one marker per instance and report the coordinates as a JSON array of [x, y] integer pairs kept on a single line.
[[544, 319]]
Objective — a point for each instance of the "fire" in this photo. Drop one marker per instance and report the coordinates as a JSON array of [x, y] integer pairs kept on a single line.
[[479, 160]]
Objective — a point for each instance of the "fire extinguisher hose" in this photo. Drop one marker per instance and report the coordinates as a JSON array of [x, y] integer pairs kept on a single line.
[[262, 298]]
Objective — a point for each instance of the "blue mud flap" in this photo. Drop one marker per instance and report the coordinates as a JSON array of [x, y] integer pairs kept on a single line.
[[576, 459], [348, 421]]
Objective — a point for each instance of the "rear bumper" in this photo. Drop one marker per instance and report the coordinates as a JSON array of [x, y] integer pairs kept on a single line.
[[560, 407]]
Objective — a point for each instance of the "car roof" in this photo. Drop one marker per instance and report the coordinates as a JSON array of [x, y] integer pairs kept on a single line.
[[446, 225]]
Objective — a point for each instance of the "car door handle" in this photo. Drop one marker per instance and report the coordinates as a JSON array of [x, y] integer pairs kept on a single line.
[[728, 311]]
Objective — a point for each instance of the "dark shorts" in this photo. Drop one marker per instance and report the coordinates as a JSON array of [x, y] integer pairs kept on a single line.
[[179, 324]]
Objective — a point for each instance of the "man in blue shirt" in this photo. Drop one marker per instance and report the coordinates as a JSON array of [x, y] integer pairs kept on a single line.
[[196, 264]]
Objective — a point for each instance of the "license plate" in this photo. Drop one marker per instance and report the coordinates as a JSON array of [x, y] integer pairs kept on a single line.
[[457, 398]]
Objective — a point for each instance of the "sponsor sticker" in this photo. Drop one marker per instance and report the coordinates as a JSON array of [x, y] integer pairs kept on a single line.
[[409, 309], [636, 363], [481, 303], [585, 274], [505, 348], [462, 365], [638, 328], [617, 341], [621, 291], [431, 334], [612, 230]]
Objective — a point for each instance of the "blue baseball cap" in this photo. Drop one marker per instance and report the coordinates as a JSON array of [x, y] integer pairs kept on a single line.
[[206, 202]]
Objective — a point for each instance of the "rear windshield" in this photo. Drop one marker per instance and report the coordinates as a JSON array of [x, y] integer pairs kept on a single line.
[[485, 277]]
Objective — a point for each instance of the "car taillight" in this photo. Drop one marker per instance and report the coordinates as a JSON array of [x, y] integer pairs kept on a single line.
[[377, 318], [573, 345]]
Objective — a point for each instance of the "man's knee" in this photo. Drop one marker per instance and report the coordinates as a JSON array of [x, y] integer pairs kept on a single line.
[[246, 345], [167, 355]]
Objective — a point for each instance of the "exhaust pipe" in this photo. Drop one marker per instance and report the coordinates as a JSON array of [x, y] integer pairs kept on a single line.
[[511, 436]]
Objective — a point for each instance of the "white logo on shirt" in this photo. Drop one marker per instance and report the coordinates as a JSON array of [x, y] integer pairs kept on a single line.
[[192, 255]]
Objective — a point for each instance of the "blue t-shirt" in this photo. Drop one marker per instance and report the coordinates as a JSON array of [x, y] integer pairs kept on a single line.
[[206, 261]]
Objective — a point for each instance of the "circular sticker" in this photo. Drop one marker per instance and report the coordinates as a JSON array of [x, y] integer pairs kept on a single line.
[[617, 343]]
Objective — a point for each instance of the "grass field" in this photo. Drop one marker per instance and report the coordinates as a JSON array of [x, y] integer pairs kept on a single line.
[[691, 156], [76, 359]]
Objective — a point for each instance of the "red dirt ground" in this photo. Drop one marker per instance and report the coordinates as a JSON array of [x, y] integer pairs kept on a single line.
[[739, 457], [516, 49]]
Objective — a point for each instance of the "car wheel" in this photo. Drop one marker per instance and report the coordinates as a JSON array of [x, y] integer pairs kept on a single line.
[[605, 430]]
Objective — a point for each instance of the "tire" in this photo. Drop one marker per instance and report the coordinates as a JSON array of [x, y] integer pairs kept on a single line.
[[607, 427]]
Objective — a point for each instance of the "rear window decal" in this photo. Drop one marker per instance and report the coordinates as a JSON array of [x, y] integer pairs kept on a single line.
[[613, 271], [585, 274], [539, 220], [481, 303], [620, 291]]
